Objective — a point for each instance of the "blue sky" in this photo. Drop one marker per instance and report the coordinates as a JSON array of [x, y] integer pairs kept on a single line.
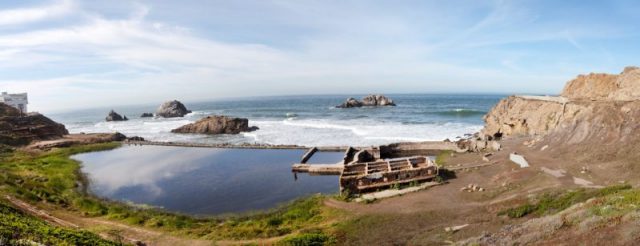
[[78, 54]]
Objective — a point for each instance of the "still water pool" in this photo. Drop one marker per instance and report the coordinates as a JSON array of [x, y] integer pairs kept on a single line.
[[203, 181]]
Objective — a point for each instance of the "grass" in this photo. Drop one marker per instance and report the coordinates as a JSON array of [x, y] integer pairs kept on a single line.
[[441, 158], [17, 228], [308, 239], [551, 203], [618, 204], [55, 179]]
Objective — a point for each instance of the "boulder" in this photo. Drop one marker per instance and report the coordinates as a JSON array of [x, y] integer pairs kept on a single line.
[[146, 115], [377, 100], [172, 109], [217, 124], [113, 116], [350, 103], [17, 129], [370, 101]]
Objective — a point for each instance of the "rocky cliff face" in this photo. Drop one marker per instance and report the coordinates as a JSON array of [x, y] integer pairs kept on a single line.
[[590, 121], [599, 86], [16, 129], [217, 125]]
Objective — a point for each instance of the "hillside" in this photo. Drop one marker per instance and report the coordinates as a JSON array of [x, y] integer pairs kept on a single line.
[[17, 129]]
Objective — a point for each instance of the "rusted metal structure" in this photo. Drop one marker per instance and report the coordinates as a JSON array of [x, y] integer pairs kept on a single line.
[[363, 170], [369, 176]]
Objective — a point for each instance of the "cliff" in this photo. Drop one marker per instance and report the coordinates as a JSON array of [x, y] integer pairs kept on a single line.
[[16, 129], [609, 87], [597, 115]]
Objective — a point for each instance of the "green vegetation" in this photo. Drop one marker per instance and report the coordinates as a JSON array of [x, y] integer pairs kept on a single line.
[[17, 228], [552, 203], [617, 204], [308, 239], [52, 177], [441, 158]]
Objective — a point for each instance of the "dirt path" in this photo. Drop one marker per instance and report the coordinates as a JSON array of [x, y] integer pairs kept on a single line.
[[129, 234]]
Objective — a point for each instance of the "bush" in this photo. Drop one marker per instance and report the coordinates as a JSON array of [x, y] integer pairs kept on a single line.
[[308, 239], [553, 203]]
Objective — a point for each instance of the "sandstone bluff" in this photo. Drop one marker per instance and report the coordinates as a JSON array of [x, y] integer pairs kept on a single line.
[[217, 124]]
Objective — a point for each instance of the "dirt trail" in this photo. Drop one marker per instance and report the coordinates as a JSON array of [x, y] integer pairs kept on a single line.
[[129, 234]]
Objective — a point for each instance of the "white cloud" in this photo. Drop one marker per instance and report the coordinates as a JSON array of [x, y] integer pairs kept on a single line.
[[34, 14], [140, 58]]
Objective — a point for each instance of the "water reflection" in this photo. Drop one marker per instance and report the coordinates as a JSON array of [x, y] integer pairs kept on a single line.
[[203, 180]]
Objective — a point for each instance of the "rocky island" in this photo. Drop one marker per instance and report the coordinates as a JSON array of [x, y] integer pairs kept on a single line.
[[368, 101], [113, 116], [172, 109], [217, 124]]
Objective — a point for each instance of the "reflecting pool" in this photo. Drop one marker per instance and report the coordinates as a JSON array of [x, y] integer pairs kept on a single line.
[[203, 181]]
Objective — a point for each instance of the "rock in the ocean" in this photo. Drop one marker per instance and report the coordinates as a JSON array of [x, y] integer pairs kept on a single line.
[[217, 124], [377, 100], [172, 109], [113, 116], [370, 100], [146, 115], [351, 103], [18, 129]]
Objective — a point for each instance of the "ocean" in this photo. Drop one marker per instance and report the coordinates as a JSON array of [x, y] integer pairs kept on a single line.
[[304, 120]]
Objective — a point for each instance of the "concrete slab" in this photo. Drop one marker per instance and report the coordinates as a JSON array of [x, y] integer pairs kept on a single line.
[[518, 159]]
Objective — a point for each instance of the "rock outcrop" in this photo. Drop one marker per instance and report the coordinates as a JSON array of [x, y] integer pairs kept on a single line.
[[17, 129], [217, 124], [74, 139], [146, 115], [369, 101], [172, 109], [113, 116], [597, 125], [599, 86]]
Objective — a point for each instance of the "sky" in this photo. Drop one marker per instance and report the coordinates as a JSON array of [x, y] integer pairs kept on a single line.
[[70, 54]]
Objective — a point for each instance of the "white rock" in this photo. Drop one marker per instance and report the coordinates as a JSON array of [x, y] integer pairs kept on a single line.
[[518, 159]]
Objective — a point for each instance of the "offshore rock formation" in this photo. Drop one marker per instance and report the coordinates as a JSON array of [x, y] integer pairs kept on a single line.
[[172, 109], [113, 116], [146, 115], [217, 124], [17, 129], [370, 100]]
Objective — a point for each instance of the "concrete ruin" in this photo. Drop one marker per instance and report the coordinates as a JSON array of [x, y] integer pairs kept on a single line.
[[364, 170]]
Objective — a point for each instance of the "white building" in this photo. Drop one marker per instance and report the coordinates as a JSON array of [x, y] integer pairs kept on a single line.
[[18, 101]]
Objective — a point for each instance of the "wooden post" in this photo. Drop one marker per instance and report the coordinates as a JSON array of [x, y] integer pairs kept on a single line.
[[308, 155]]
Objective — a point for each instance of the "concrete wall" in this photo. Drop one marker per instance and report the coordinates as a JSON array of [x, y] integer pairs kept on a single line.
[[18, 101]]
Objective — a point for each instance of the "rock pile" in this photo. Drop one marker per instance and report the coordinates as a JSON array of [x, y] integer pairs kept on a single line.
[[368, 101], [217, 124], [172, 109], [472, 188]]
